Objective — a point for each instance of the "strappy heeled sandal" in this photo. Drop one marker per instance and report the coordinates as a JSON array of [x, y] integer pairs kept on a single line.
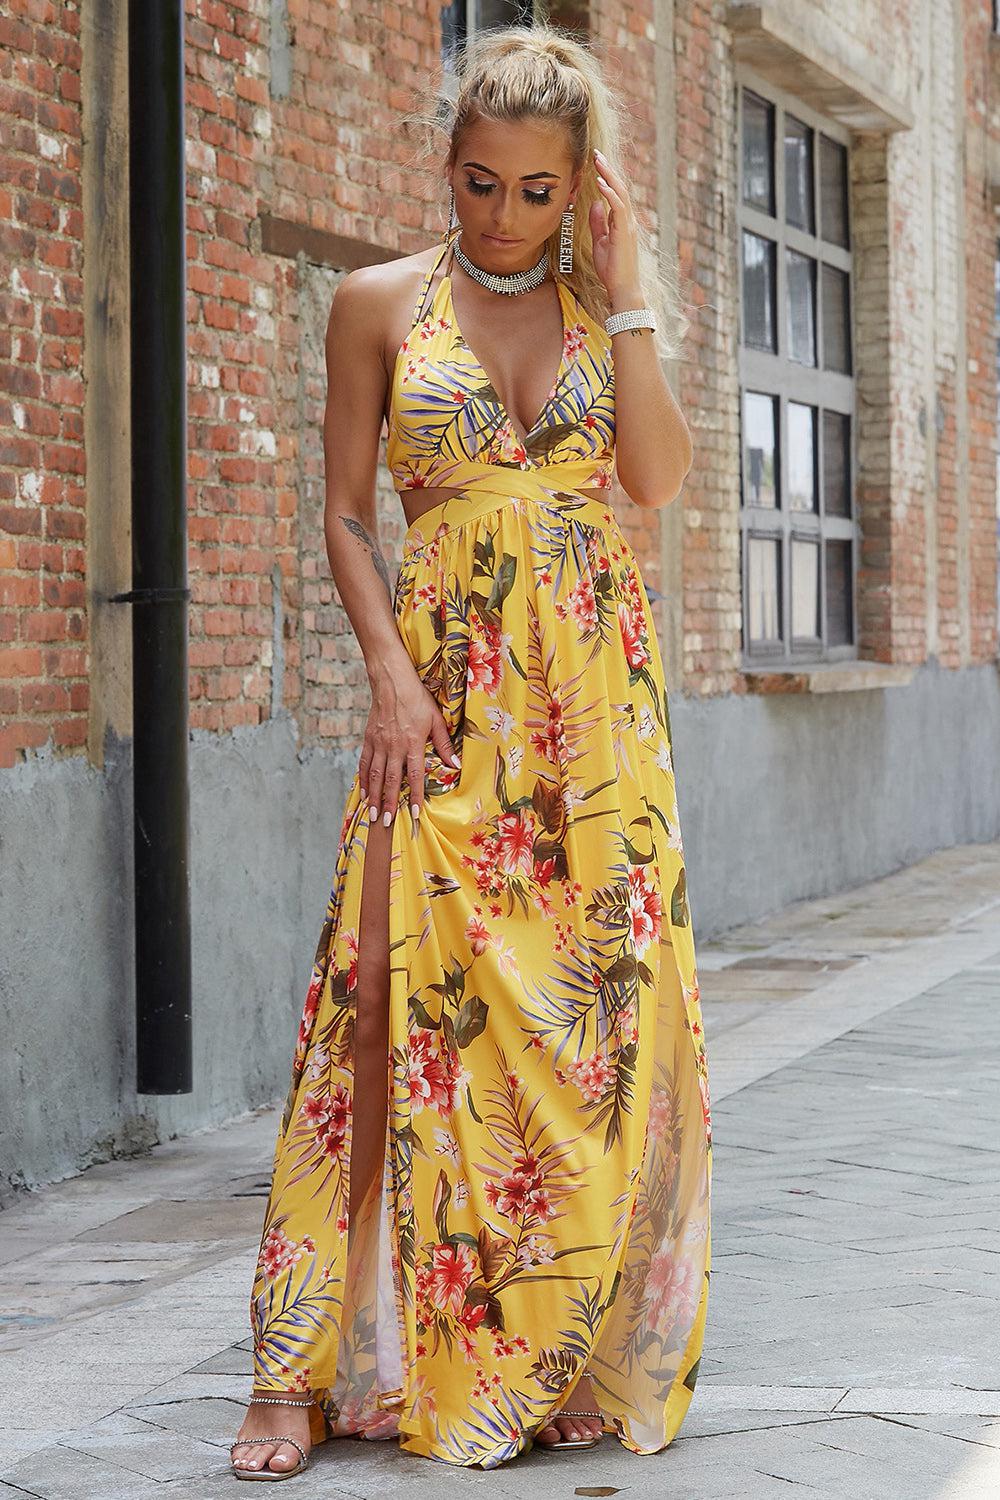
[[564, 1442], [266, 1472]]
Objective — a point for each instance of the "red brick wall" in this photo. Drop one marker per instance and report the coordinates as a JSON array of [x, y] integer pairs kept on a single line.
[[624, 35], [331, 156], [982, 63], [43, 624], [240, 505], [947, 350], [709, 390]]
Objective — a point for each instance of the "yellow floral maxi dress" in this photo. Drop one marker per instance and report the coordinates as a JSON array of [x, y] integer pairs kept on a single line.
[[544, 1209]]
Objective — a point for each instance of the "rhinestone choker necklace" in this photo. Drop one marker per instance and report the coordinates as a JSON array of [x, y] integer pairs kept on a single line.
[[509, 282]]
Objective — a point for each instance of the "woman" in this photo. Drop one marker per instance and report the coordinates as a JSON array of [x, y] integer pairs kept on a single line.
[[490, 1200]]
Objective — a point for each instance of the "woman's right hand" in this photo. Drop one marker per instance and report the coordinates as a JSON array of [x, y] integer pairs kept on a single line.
[[404, 715]]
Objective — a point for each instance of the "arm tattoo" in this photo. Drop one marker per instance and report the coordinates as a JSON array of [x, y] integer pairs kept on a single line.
[[363, 535]]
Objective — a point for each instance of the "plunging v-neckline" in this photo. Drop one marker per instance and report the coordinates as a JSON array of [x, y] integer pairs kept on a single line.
[[508, 419]]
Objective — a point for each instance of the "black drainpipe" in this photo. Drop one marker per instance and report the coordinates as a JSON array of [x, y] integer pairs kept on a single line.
[[159, 593]]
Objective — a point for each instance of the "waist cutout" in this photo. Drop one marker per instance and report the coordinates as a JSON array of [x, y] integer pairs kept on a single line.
[[554, 488]]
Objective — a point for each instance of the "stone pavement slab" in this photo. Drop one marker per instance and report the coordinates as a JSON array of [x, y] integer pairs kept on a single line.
[[854, 1057]]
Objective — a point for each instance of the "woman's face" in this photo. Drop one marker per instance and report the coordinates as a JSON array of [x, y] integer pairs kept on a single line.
[[511, 183]]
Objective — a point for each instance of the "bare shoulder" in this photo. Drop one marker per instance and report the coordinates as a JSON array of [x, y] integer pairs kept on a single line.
[[372, 304]]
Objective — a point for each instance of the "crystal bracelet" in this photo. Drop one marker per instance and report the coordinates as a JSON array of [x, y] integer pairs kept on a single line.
[[632, 317]]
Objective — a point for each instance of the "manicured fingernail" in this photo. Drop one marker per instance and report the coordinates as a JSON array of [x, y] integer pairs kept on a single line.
[[387, 817], [372, 813], [415, 808], [455, 760]]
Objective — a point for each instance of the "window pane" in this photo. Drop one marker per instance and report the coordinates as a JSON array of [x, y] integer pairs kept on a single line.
[[758, 152], [838, 594], [763, 582], [502, 13], [805, 590], [798, 175], [453, 29], [833, 190], [759, 443], [836, 464], [800, 275], [801, 478], [759, 316], [836, 321]]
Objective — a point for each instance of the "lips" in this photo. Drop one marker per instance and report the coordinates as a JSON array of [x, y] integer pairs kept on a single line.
[[495, 240]]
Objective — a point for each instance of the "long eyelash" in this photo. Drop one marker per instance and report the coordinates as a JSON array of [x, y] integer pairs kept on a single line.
[[487, 187]]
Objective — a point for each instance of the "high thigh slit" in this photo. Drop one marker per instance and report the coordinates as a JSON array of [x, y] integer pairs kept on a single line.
[[543, 1208]]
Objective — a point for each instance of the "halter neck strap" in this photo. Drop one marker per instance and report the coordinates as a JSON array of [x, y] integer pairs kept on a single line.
[[443, 249]]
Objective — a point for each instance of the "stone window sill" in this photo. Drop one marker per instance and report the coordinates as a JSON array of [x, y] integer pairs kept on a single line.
[[827, 677], [771, 39]]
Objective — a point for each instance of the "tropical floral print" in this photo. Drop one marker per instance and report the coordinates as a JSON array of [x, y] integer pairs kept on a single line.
[[544, 1208], [445, 410]]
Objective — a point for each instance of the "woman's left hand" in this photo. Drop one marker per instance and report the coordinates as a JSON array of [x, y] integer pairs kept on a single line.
[[613, 231]]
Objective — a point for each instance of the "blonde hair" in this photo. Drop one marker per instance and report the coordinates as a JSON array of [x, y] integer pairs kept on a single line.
[[541, 72]]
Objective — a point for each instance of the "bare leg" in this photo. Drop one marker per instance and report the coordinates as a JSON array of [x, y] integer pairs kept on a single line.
[[371, 1027], [371, 1046]]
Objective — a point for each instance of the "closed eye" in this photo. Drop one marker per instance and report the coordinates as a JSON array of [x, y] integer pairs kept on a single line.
[[482, 188]]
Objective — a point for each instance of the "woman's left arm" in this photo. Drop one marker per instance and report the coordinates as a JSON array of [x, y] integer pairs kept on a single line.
[[653, 450]]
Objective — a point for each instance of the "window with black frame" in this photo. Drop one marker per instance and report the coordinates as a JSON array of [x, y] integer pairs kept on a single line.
[[798, 521], [463, 18]]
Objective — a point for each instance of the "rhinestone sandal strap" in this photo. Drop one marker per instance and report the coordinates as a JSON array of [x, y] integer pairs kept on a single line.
[[278, 1401], [305, 1456], [565, 1411]]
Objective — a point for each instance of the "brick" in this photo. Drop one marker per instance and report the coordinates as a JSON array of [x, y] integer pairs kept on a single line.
[[19, 661], [20, 521]]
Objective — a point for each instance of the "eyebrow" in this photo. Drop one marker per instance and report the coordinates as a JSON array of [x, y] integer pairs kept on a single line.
[[528, 176]]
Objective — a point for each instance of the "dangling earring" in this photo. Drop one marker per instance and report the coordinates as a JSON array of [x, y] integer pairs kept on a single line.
[[566, 241], [451, 215]]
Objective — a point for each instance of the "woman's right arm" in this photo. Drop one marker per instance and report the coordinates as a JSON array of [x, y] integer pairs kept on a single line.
[[404, 714]]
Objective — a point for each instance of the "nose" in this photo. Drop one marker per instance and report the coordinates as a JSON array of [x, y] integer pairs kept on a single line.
[[501, 217]]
